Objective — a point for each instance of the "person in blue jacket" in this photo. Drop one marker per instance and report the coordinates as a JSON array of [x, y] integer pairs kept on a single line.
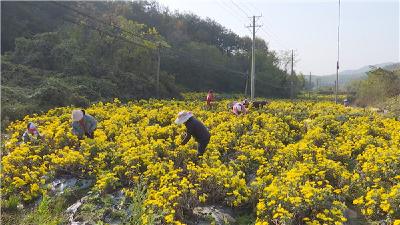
[[196, 129], [83, 124]]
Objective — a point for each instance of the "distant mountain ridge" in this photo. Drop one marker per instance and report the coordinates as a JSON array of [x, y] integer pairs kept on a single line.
[[365, 69], [347, 76]]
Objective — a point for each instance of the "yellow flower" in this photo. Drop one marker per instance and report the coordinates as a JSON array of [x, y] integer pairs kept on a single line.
[[169, 218], [286, 157]]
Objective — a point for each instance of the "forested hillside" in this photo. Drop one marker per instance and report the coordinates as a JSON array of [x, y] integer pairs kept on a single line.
[[63, 53], [380, 89]]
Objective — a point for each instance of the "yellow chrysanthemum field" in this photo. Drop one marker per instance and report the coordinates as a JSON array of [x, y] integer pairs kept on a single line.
[[299, 162]]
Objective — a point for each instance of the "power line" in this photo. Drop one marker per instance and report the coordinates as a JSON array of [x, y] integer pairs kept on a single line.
[[105, 23], [253, 45], [277, 41], [239, 8], [264, 83], [130, 41], [143, 39], [270, 34], [249, 10], [123, 38], [252, 6], [234, 72], [229, 10], [232, 9], [247, 15], [187, 56], [240, 11], [109, 33], [176, 52]]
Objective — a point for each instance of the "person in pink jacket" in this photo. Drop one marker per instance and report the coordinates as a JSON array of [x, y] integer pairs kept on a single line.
[[31, 133], [238, 108]]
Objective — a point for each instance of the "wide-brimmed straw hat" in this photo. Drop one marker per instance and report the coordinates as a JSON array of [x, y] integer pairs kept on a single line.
[[183, 116], [31, 126], [77, 115]]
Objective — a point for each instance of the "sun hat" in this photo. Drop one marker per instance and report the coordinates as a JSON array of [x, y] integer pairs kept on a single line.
[[31, 126], [77, 115], [183, 116]]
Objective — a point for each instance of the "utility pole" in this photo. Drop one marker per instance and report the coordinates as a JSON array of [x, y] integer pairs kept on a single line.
[[337, 62], [247, 81], [337, 83], [291, 79], [158, 71], [253, 60], [335, 91], [309, 87]]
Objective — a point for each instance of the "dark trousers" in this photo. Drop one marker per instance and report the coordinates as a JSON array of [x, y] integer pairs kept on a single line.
[[90, 135], [201, 147]]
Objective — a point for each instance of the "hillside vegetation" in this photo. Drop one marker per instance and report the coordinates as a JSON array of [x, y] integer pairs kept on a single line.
[[380, 89], [288, 163], [84, 52]]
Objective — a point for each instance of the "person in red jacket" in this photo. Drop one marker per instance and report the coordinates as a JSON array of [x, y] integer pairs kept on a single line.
[[210, 98]]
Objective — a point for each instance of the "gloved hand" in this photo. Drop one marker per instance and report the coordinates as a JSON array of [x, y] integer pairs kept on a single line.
[[90, 135], [183, 136]]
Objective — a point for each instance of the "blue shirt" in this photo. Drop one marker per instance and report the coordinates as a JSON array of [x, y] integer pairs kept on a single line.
[[90, 125]]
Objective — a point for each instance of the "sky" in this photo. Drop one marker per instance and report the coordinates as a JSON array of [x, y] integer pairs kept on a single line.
[[369, 30]]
